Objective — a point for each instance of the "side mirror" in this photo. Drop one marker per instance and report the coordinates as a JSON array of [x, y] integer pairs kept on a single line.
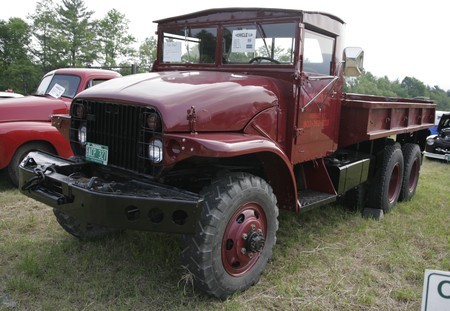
[[353, 61]]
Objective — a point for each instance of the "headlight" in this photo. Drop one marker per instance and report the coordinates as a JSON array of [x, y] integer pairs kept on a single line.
[[82, 134], [430, 141], [155, 150]]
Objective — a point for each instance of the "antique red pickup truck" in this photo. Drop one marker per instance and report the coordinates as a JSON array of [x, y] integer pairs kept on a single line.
[[25, 121], [243, 115]]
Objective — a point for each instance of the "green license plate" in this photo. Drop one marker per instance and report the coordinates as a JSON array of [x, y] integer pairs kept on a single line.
[[97, 153]]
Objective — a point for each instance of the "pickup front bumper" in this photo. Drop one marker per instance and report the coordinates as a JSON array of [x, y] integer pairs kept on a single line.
[[444, 157], [100, 195]]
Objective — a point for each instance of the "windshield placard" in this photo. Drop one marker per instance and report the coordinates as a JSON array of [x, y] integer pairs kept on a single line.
[[172, 52], [243, 41]]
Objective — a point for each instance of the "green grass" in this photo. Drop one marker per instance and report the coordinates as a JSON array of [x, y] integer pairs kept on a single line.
[[326, 259]]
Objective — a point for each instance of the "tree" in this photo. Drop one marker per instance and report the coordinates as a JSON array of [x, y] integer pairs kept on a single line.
[[112, 33], [14, 39], [16, 67], [48, 48], [147, 54], [76, 32], [414, 87]]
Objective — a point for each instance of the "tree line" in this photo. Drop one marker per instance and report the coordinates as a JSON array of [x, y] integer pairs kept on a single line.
[[409, 87], [65, 34]]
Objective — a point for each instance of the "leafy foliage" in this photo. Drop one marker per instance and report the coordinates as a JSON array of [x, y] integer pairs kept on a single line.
[[62, 34], [114, 39], [409, 87], [147, 54]]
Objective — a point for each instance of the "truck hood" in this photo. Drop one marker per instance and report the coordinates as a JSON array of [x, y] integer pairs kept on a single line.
[[223, 101], [31, 108]]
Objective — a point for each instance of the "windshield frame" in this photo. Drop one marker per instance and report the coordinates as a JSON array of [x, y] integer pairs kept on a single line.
[[220, 49]]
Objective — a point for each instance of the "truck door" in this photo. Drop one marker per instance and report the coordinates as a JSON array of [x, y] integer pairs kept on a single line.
[[318, 105]]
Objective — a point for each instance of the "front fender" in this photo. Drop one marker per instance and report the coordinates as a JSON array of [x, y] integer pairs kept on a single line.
[[277, 166], [15, 134]]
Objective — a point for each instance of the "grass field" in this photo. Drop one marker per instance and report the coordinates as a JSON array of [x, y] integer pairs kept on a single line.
[[326, 259]]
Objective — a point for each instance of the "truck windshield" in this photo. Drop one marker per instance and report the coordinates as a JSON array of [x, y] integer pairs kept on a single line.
[[241, 44], [59, 86]]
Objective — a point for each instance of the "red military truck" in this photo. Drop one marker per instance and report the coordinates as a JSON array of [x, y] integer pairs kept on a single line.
[[25, 121], [243, 115]]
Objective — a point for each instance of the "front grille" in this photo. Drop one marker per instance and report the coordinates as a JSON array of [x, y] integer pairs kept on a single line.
[[120, 127]]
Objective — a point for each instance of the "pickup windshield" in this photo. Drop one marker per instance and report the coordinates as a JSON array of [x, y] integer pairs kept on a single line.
[[59, 86], [254, 43]]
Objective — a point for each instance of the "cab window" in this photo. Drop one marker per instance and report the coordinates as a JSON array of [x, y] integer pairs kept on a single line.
[[189, 46], [317, 53]]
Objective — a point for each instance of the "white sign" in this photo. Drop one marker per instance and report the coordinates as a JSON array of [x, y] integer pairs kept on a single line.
[[436, 291], [243, 41], [56, 91], [172, 52]]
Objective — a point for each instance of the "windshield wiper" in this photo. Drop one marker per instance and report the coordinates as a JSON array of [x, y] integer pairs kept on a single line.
[[263, 37]]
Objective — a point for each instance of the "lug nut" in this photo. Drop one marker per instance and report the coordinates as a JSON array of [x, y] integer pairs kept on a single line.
[[243, 250], [244, 236]]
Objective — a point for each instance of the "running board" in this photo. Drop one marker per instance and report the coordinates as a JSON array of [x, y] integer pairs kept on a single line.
[[309, 199]]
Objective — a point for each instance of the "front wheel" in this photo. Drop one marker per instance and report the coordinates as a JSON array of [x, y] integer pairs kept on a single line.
[[80, 230], [234, 237], [19, 155]]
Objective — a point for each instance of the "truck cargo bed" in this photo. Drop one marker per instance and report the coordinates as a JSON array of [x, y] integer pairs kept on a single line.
[[366, 117]]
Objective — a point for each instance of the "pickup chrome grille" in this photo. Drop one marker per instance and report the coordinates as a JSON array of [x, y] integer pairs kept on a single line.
[[120, 127]]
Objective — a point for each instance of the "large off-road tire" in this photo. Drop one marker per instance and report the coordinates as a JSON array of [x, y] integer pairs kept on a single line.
[[234, 237], [413, 160], [21, 152], [82, 231], [384, 189]]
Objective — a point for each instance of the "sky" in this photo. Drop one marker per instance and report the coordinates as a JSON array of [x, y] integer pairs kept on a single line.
[[399, 38]]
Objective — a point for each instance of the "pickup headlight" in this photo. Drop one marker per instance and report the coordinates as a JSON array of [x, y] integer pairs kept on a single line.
[[155, 150], [430, 141]]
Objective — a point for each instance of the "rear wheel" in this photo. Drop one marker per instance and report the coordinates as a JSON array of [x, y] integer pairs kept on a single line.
[[413, 161], [21, 152], [385, 188], [234, 237]]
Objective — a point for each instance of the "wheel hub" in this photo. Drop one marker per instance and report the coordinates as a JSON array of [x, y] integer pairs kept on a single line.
[[255, 241]]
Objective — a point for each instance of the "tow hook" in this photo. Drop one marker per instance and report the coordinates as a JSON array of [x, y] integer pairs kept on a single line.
[[39, 171]]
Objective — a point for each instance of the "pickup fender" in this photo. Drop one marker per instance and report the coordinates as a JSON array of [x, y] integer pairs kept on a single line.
[[276, 165], [15, 134]]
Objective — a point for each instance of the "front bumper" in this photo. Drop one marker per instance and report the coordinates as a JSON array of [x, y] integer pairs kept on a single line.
[[100, 195], [444, 157]]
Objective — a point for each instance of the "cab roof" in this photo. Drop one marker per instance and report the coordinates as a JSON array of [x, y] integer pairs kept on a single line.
[[237, 14]]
